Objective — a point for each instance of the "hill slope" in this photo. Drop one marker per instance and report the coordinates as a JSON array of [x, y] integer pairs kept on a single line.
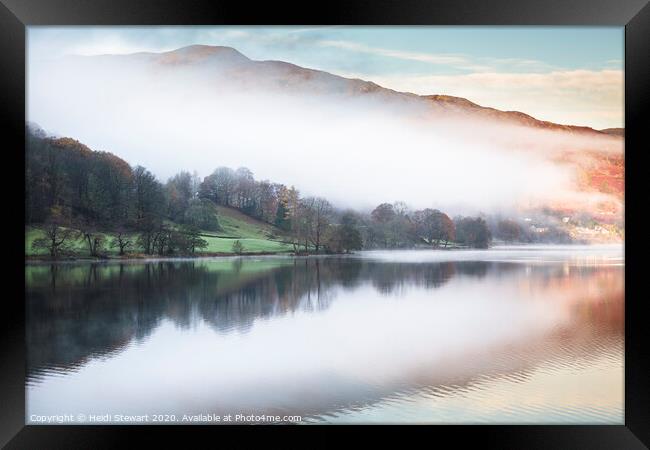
[[256, 236]]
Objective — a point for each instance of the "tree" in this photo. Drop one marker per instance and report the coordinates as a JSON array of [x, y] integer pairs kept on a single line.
[[244, 191], [401, 230], [383, 213], [472, 232], [91, 235], [268, 201], [390, 226], [202, 214], [109, 181], [282, 214], [180, 191], [482, 235], [149, 208], [149, 199], [94, 239], [167, 240], [401, 208], [193, 239], [296, 218], [154, 239], [58, 238], [381, 216], [63, 173], [508, 230], [317, 213], [219, 186], [434, 226], [237, 247], [345, 237], [122, 241], [447, 229]]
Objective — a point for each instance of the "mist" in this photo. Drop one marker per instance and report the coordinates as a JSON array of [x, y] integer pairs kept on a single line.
[[355, 150]]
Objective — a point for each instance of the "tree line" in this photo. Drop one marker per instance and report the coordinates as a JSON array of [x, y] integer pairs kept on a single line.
[[73, 192], [397, 226]]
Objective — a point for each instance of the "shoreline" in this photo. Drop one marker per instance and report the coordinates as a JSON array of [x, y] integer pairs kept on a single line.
[[145, 258], [36, 260]]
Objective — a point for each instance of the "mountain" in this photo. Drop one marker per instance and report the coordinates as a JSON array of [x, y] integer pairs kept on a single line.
[[594, 156], [229, 63]]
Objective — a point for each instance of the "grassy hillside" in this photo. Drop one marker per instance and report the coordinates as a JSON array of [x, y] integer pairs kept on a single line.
[[255, 236]]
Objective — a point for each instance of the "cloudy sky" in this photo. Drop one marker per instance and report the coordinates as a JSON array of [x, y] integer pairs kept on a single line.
[[569, 75]]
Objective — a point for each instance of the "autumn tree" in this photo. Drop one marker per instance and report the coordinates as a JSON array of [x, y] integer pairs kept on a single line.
[[63, 173], [434, 226], [297, 217], [283, 213]]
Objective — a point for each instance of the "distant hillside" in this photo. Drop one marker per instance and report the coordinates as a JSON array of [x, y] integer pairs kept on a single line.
[[228, 63], [614, 131], [463, 105]]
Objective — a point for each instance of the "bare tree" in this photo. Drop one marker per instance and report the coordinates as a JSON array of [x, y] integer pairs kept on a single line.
[[57, 239], [122, 241], [93, 238], [318, 212]]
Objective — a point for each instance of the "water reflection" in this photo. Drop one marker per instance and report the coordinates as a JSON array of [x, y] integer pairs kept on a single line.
[[349, 339], [79, 311]]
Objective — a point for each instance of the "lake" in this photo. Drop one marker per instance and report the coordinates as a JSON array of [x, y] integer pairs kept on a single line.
[[508, 335]]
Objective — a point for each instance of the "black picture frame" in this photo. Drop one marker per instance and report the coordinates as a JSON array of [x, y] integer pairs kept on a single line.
[[15, 15]]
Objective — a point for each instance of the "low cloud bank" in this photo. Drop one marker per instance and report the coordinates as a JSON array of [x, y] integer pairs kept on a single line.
[[356, 150]]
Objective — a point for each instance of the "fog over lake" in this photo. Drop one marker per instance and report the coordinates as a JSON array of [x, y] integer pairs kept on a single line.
[[507, 335]]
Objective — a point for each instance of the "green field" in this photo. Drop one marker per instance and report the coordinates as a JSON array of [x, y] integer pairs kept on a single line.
[[254, 235]]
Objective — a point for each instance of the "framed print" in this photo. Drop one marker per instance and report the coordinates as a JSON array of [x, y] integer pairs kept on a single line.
[[358, 215]]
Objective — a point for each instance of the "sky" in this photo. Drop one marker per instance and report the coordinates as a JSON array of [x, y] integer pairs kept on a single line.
[[568, 75]]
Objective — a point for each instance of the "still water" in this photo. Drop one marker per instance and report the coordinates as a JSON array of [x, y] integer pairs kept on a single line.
[[507, 335]]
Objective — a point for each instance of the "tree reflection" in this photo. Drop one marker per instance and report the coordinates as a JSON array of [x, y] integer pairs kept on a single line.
[[79, 311]]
